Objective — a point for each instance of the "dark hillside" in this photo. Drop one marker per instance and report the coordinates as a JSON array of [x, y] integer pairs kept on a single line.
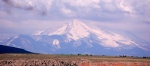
[[7, 49]]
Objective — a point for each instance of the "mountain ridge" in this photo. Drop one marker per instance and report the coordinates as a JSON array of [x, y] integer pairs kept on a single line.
[[77, 37], [78, 30]]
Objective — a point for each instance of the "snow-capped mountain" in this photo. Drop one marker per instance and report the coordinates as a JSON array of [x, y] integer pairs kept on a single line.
[[77, 30], [77, 37], [25, 42]]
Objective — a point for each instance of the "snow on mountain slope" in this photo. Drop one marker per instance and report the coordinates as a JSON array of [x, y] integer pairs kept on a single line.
[[77, 30], [38, 33], [74, 30], [56, 43], [9, 41], [79, 38], [26, 42]]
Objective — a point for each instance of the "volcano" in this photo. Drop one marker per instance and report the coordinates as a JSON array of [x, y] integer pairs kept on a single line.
[[77, 37]]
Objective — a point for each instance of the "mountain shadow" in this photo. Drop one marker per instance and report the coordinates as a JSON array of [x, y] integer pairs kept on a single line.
[[8, 49]]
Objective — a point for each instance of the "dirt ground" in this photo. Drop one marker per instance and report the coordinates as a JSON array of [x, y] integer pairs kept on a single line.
[[70, 60]]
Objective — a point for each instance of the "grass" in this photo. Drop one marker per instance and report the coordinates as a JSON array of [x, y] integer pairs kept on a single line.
[[72, 58]]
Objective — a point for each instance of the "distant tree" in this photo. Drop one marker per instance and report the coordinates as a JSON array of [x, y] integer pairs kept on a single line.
[[120, 56], [124, 56], [144, 57], [62, 54], [103, 55], [91, 55], [79, 54], [86, 54]]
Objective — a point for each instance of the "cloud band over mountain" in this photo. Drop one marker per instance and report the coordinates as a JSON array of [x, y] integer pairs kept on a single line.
[[26, 16], [91, 9]]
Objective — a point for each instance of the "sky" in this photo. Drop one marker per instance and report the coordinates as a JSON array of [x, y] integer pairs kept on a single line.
[[28, 16]]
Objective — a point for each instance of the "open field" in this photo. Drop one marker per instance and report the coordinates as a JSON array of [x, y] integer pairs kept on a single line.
[[70, 60], [72, 57]]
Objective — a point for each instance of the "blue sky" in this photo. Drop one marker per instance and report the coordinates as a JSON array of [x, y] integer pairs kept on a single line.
[[27, 16]]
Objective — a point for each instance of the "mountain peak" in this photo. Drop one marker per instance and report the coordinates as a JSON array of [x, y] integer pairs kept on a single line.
[[75, 21], [77, 30], [77, 37], [74, 30]]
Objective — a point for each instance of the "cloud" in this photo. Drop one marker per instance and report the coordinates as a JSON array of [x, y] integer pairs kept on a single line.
[[85, 9], [27, 26], [83, 3], [39, 6], [33, 13], [67, 12], [17, 4]]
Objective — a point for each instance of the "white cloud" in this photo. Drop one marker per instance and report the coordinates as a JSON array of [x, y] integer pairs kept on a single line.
[[83, 3], [81, 8], [24, 16], [67, 12], [125, 6], [85, 9], [36, 5]]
